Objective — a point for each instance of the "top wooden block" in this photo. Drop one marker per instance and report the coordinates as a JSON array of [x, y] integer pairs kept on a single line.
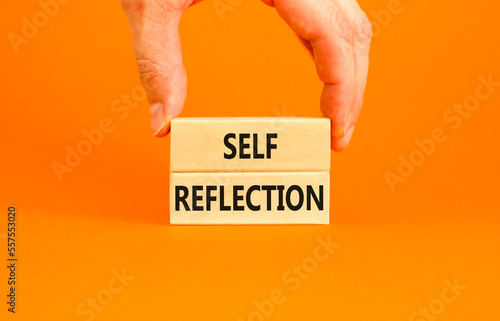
[[250, 144]]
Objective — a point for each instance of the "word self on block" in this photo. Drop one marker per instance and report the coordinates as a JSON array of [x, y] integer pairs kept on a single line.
[[250, 171]]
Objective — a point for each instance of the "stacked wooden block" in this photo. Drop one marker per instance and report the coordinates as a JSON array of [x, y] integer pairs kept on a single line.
[[250, 171]]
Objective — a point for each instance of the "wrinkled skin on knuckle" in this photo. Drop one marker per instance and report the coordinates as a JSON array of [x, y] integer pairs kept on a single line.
[[362, 30], [149, 72], [343, 27]]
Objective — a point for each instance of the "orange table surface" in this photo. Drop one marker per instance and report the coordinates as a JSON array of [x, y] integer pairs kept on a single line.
[[414, 224]]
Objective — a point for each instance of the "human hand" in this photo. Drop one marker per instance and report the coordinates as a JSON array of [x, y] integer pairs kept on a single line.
[[336, 32]]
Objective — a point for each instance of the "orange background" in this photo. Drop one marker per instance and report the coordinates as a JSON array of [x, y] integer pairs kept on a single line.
[[396, 248]]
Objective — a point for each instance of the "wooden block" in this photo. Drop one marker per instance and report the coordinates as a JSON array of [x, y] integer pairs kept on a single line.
[[250, 144], [250, 198]]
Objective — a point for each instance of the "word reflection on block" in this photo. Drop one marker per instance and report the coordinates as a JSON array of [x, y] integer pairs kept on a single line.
[[250, 171], [250, 198]]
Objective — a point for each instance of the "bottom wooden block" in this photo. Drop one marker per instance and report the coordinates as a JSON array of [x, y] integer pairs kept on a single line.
[[250, 198]]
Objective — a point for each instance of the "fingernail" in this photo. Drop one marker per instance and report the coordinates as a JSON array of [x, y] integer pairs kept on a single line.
[[159, 123], [347, 124], [347, 137]]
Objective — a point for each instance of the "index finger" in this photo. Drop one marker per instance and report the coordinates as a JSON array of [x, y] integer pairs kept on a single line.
[[340, 35]]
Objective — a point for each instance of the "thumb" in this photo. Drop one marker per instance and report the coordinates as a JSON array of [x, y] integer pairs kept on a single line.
[[155, 33]]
